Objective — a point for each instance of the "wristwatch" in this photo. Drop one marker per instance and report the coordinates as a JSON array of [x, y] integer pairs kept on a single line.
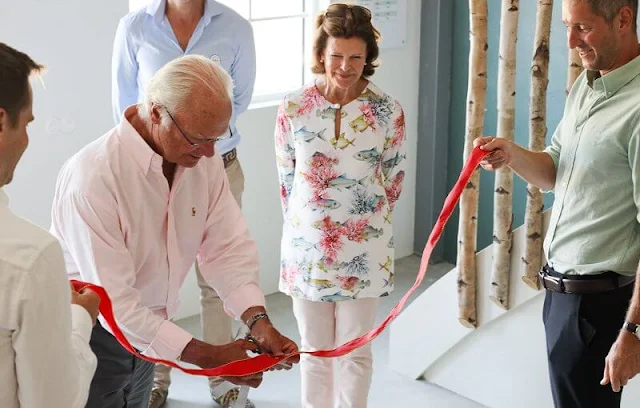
[[249, 323], [633, 328]]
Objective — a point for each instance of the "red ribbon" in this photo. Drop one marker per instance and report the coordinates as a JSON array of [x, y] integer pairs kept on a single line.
[[264, 362]]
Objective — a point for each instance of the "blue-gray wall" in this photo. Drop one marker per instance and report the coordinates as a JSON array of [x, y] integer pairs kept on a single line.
[[436, 34], [555, 104]]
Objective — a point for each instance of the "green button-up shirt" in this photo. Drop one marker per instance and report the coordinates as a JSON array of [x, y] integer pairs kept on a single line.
[[594, 223]]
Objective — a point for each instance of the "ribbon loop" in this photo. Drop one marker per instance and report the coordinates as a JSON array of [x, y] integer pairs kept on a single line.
[[264, 362]]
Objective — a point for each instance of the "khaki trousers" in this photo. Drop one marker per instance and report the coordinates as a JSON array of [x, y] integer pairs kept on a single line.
[[216, 324]]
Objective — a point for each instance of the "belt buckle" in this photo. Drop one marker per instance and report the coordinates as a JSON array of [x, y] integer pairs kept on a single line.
[[229, 157], [544, 274]]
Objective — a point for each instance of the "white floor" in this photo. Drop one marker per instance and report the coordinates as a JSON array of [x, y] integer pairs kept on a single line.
[[281, 389]]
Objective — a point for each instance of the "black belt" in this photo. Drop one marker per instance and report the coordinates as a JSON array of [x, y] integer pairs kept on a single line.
[[229, 157], [583, 284]]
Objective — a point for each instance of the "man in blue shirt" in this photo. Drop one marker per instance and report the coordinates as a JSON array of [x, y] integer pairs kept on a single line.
[[145, 41]]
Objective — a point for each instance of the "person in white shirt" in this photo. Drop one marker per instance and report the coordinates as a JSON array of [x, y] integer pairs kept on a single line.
[[45, 358]]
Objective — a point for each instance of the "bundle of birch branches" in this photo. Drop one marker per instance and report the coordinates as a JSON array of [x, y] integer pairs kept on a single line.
[[503, 192]]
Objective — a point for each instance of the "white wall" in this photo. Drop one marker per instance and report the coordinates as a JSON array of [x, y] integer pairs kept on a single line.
[[74, 39]]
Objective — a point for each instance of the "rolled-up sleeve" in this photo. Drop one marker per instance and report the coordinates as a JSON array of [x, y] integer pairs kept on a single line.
[[90, 230], [553, 149], [228, 256]]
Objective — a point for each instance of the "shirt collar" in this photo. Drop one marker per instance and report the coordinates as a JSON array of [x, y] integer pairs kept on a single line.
[[211, 9], [4, 198], [612, 82], [136, 146], [371, 87]]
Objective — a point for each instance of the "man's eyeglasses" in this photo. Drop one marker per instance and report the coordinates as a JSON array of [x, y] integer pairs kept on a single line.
[[200, 142], [340, 10]]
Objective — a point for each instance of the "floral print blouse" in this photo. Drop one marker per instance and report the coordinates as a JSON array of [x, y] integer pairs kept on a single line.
[[338, 183]]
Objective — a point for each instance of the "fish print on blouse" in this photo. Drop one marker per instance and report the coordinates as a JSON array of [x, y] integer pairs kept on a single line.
[[339, 183]]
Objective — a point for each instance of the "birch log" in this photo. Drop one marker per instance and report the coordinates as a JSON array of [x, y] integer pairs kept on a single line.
[[468, 225], [537, 133], [575, 69], [503, 211]]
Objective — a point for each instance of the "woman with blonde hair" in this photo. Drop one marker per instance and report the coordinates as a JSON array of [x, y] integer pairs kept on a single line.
[[340, 155]]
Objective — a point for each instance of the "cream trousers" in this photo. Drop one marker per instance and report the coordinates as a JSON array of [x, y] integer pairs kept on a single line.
[[342, 382]]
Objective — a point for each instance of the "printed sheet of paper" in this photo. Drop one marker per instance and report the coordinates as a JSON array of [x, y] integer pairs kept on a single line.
[[390, 18]]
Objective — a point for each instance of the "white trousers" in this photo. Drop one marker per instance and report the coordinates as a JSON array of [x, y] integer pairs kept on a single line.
[[341, 382]]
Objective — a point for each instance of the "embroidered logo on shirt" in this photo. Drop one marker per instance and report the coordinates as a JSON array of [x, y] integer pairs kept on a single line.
[[193, 211], [215, 58]]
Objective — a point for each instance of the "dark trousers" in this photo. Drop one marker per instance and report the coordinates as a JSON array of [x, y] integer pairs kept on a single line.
[[580, 330], [121, 380]]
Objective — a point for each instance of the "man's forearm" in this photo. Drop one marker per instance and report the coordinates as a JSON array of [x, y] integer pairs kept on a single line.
[[198, 353], [633, 314], [536, 168]]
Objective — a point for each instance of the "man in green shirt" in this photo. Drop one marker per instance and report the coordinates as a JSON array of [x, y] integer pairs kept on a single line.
[[593, 241]]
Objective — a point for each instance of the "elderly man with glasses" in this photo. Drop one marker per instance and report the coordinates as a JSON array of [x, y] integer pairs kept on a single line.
[[134, 209], [148, 38]]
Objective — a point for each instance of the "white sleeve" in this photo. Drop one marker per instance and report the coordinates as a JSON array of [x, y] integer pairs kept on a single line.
[[53, 360]]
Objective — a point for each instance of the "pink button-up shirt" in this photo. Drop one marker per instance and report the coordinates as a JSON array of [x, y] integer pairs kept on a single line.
[[122, 227]]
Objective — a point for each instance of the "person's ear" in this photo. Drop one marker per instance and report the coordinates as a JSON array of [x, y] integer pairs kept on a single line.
[[4, 120], [155, 114]]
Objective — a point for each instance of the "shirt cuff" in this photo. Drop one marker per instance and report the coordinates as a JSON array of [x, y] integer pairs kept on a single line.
[[243, 298], [554, 156], [556, 160], [81, 323], [169, 342]]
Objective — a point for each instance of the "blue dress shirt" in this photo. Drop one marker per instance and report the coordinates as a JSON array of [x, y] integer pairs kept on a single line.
[[145, 42]]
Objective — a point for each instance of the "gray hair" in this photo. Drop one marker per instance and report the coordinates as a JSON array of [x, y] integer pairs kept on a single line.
[[608, 9], [173, 83]]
